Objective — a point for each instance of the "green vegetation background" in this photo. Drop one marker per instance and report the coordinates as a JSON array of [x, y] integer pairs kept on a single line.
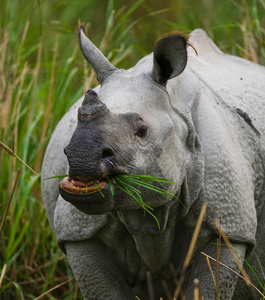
[[42, 73]]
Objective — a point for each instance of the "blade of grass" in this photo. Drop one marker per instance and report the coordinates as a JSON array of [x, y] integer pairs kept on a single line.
[[58, 176], [111, 188], [18, 230], [17, 240], [127, 191], [154, 218], [126, 187], [99, 189], [254, 273], [143, 182], [261, 268], [145, 179], [150, 187]]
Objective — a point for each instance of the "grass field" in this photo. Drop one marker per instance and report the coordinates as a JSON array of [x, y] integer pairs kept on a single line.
[[42, 73]]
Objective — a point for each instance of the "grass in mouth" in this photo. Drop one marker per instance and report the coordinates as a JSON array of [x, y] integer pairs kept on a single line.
[[128, 183]]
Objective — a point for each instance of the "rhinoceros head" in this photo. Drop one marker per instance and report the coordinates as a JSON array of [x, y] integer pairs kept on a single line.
[[128, 127]]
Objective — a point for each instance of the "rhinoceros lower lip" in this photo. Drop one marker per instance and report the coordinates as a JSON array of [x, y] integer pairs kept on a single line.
[[72, 186]]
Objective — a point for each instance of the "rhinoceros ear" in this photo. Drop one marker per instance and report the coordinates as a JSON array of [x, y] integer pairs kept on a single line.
[[170, 57], [102, 67]]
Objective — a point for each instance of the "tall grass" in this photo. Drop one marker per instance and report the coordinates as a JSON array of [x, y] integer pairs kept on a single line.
[[42, 73], [30, 106]]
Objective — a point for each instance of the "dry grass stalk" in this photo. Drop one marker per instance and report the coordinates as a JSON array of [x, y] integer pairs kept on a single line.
[[122, 57], [6, 106], [36, 71], [9, 200], [249, 43], [211, 270], [218, 256], [54, 288], [11, 152], [190, 251], [173, 271], [24, 34], [19, 82], [4, 44], [150, 288], [34, 83], [225, 266], [2, 274], [166, 289], [49, 106], [92, 77], [232, 251], [10, 88], [197, 295]]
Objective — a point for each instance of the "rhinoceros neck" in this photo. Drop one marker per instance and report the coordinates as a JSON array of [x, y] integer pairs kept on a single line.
[[147, 237], [159, 246]]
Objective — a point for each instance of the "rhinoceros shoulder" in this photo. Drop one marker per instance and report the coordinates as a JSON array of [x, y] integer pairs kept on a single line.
[[237, 83], [221, 69]]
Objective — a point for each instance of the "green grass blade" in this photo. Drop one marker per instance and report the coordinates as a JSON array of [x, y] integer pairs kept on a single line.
[[59, 176], [111, 188], [126, 189], [17, 241], [150, 187], [99, 190], [263, 275], [154, 218], [253, 272]]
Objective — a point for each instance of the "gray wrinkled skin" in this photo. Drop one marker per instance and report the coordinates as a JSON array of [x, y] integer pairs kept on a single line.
[[206, 133]]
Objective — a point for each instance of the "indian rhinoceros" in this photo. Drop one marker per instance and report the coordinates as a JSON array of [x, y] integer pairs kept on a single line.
[[195, 118]]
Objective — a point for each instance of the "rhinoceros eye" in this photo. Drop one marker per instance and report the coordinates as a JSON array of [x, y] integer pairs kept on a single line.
[[142, 131]]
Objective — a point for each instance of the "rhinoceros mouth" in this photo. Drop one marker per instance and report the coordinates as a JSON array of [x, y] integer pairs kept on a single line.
[[90, 197], [76, 187]]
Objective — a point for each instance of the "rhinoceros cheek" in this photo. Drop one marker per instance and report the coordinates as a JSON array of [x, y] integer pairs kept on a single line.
[[92, 204]]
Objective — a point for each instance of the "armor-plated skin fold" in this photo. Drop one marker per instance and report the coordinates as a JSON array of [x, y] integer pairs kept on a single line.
[[195, 118]]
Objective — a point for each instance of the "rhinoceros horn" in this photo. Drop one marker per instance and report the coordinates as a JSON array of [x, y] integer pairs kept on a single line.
[[91, 107], [102, 67]]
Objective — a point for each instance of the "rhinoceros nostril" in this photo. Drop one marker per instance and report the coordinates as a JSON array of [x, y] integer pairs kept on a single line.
[[107, 153]]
